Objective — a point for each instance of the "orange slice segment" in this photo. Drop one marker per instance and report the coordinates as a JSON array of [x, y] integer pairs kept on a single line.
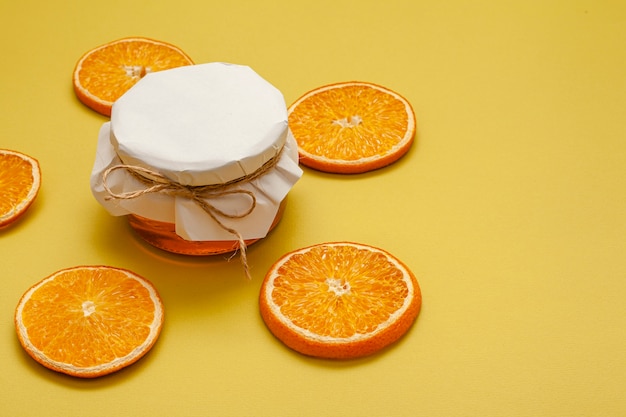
[[20, 180], [339, 300], [89, 321], [104, 73], [351, 127]]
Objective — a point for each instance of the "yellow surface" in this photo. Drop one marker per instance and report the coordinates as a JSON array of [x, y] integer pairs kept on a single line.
[[510, 209]]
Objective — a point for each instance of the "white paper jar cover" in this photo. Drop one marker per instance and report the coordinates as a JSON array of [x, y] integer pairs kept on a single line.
[[199, 125]]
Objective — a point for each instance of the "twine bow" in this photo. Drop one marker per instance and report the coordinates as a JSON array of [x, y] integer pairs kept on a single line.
[[158, 183]]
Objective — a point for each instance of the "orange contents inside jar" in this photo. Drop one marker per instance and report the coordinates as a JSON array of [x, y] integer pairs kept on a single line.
[[163, 235]]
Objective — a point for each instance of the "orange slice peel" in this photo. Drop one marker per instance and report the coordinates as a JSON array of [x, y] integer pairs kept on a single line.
[[89, 321], [105, 73], [351, 127], [20, 181], [339, 300]]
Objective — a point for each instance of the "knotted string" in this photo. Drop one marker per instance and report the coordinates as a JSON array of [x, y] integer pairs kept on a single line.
[[158, 183]]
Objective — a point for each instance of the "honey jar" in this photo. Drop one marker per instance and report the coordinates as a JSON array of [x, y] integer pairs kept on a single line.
[[199, 158]]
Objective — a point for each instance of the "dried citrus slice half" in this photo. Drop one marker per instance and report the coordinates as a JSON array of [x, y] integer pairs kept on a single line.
[[20, 180], [104, 73], [89, 321], [339, 300], [351, 127]]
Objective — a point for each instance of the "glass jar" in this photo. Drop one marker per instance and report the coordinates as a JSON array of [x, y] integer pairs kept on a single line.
[[200, 158], [163, 235]]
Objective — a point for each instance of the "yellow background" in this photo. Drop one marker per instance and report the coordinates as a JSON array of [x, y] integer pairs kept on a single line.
[[510, 208]]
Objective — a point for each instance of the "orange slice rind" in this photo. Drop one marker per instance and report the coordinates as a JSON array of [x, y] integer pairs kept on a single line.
[[339, 300], [104, 74], [89, 321], [351, 127], [20, 180]]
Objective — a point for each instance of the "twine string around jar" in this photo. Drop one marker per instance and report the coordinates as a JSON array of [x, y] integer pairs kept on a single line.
[[159, 183]]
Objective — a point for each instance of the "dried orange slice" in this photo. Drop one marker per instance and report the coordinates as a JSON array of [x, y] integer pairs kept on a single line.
[[351, 127], [89, 321], [20, 180], [339, 300], [103, 74]]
